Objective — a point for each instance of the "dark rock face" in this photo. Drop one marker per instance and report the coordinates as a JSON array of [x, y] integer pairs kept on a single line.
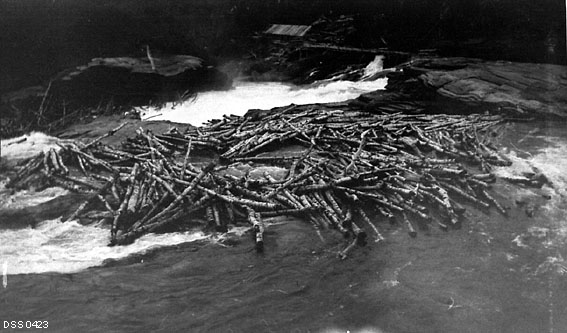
[[465, 85], [133, 82], [105, 85], [521, 89], [42, 37]]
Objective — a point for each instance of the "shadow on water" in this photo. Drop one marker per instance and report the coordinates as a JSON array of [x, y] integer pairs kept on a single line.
[[495, 274]]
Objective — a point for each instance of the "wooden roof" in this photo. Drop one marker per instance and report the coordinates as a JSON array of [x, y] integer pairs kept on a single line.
[[288, 30]]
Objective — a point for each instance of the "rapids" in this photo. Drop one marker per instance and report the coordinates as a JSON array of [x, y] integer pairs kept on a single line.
[[245, 96]]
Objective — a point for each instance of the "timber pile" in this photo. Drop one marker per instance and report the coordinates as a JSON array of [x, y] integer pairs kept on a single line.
[[346, 166]]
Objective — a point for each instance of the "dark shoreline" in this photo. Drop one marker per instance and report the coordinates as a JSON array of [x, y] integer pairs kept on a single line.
[[43, 37], [520, 91]]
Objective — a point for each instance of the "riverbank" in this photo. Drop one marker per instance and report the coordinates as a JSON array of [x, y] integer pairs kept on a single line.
[[430, 84], [44, 37]]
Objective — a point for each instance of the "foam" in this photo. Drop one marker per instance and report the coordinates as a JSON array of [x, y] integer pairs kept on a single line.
[[28, 145], [550, 160], [27, 198], [245, 96], [67, 247]]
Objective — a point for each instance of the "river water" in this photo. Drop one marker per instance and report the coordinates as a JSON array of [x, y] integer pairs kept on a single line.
[[494, 274], [266, 95]]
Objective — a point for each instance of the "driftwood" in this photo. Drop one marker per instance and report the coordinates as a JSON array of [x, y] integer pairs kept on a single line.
[[333, 47], [411, 168]]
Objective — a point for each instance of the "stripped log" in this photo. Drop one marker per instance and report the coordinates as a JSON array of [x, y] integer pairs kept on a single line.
[[124, 204], [409, 226], [257, 227]]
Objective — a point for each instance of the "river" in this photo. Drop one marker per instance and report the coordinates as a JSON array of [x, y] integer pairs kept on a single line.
[[494, 274], [245, 96]]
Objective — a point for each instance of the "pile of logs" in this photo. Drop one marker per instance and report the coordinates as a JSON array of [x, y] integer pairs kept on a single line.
[[336, 169]]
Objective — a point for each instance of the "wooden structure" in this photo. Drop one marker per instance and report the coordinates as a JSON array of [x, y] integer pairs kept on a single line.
[[288, 30]]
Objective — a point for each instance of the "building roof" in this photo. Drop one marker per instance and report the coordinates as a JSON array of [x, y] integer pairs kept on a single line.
[[288, 30]]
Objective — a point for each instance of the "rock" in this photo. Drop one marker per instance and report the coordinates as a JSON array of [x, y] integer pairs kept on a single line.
[[520, 89], [165, 66], [126, 80], [137, 81], [104, 85]]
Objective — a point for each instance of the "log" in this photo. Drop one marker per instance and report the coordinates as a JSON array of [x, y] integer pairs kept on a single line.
[[332, 47], [257, 227], [125, 200]]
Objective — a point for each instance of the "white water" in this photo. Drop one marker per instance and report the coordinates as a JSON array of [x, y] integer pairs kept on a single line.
[[549, 227], [27, 198], [264, 95], [65, 247], [552, 162], [28, 145]]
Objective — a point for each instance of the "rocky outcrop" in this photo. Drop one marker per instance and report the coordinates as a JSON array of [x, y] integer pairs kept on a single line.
[[104, 85], [136, 81], [520, 89]]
